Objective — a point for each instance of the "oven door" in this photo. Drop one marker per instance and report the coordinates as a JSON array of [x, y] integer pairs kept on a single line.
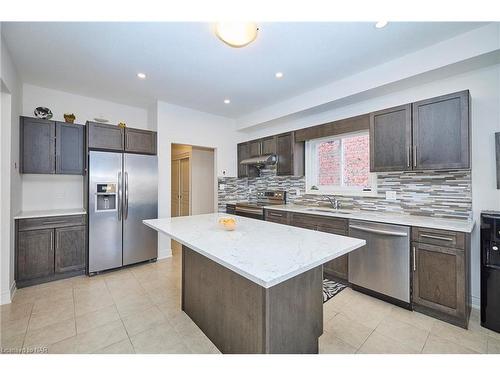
[[253, 213]]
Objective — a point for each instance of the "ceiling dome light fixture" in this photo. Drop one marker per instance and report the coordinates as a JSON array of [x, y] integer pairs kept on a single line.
[[279, 75], [141, 75], [227, 101], [381, 24], [236, 34]]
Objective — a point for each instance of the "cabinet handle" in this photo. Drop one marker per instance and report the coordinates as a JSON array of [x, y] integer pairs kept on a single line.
[[57, 242], [274, 214], [414, 259], [436, 237], [408, 157], [52, 239], [414, 156]]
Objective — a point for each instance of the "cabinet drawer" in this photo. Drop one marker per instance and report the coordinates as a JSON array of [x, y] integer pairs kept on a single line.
[[277, 216], [438, 237], [321, 223], [51, 222]]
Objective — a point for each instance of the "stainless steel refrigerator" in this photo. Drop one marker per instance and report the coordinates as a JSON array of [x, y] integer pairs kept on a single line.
[[123, 191]]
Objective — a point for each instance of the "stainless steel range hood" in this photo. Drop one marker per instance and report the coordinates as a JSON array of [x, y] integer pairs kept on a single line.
[[260, 160]]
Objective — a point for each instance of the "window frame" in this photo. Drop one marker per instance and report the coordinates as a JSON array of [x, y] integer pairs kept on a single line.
[[311, 169]]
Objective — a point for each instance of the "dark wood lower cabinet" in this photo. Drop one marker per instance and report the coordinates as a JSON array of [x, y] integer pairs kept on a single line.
[[441, 282], [70, 249], [49, 249], [337, 268], [35, 254]]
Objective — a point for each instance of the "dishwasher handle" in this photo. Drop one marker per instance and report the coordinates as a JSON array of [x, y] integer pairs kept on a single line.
[[379, 231]]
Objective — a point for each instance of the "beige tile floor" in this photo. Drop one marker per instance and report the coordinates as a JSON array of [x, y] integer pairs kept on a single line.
[[137, 310]]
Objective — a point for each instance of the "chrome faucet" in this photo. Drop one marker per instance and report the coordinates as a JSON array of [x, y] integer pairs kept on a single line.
[[334, 202]]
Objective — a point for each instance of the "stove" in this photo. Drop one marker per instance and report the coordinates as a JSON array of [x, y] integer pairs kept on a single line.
[[255, 209]]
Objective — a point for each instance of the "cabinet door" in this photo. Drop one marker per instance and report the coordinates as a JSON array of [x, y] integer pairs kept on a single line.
[[142, 141], [70, 149], [254, 148], [269, 146], [441, 132], [35, 254], [105, 137], [390, 139], [243, 154], [284, 153], [70, 249], [37, 146], [439, 279], [338, 268]]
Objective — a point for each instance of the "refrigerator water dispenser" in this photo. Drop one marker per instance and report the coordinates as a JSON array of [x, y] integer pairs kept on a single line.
[[106, 197]]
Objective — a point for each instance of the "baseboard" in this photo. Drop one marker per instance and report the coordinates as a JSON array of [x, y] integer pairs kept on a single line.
[[8, 295], [164, 253]]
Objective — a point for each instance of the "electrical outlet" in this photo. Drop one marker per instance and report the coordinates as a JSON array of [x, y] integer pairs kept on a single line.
[[390, 195]]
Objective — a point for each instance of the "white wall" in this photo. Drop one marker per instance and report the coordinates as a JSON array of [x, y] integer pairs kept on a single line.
[[38, 192], [484, 86], [186, 126], [10, 179], [202, 181]]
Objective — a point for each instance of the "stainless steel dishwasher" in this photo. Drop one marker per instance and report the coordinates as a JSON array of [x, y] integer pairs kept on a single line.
[[383, 264]]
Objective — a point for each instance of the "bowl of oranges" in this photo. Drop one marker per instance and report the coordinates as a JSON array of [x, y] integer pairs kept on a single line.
[[227, 223]]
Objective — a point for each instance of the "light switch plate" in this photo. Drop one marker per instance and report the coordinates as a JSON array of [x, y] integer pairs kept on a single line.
[[390, 195]]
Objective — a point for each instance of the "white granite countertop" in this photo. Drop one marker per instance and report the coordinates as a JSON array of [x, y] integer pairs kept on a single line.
[[50, 213], [456, 225], [263, 252]]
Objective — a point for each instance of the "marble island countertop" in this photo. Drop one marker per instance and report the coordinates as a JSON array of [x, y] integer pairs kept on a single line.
[[263, 252], [456, 225], [49, 213]]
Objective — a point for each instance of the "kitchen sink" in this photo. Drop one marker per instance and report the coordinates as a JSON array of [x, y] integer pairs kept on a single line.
[[329, 210]]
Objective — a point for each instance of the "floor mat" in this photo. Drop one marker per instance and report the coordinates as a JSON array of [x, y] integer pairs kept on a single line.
[[331, 289]]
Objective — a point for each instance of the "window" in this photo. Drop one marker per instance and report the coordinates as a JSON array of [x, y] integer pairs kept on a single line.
[[340, 165]]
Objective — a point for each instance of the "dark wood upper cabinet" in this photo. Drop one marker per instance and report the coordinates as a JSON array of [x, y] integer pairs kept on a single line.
[[243, 153], [35, 254], [70, 147], [268, 146], [50, 147], [140, 141], [441, 132], [290, 155], [105, 136], [37, 145], [70, 249], [254, 148], [390, 139]]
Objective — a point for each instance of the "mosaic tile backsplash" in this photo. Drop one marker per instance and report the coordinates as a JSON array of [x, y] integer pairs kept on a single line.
[[445, 194]]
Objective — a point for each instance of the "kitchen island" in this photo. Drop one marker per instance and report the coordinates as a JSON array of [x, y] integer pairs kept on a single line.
[[257, 289]]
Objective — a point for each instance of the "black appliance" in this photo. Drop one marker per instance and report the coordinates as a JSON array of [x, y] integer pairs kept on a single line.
[[490, 270], [255, 209]]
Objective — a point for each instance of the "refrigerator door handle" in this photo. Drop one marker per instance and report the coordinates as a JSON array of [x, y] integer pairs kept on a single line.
[[125, 214], [119, 196]]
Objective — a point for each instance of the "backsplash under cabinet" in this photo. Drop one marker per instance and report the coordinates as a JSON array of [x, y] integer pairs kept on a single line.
[[445, 194]]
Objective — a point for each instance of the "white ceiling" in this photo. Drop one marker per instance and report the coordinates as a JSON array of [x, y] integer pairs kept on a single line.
[[187, 65]]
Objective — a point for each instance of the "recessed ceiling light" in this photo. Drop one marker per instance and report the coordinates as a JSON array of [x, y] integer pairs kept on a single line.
[[279, 75], [381, 24], [141, 75], [227, 101], [236, 34]]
